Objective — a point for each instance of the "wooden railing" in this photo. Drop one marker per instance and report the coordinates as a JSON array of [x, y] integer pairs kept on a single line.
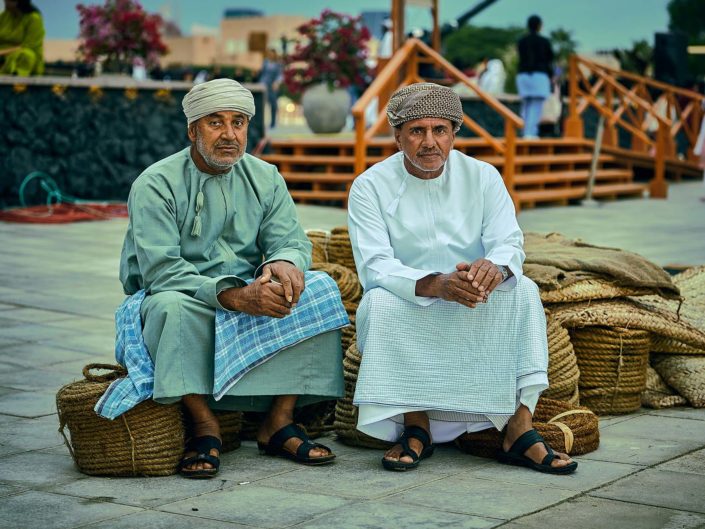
[[403, 70], [653, 113]]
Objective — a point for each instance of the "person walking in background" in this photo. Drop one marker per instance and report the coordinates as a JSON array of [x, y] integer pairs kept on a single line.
[[21, 39], [534, 77], [271, 77]]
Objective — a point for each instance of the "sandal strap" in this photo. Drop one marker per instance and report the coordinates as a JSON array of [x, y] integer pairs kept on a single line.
[[414, 432], [282, 435], [200, 458], [526, 441], [550, 456], [204, 444]]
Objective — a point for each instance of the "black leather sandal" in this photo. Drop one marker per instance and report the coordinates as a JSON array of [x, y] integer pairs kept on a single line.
[[275, 446], [202, 446], [516, 455], [411, 432]]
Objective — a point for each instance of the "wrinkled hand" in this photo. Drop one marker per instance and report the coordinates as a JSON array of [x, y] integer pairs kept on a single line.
[[275, 293], [450, 287], [257, 299], [482, 274], [290, 277]]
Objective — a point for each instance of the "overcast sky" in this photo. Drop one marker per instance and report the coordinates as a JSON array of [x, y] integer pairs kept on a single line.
[[596, 24]]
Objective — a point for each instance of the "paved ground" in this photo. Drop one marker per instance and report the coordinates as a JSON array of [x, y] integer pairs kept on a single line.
[[58, 290]]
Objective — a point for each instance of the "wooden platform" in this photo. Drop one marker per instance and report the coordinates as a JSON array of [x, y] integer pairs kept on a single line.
[[547, 171]]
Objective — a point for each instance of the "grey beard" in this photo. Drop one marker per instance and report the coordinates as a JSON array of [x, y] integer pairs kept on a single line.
[[215, 164], [408, 159]]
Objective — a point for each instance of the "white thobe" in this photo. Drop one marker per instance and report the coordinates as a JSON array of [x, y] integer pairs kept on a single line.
[[404, 228]]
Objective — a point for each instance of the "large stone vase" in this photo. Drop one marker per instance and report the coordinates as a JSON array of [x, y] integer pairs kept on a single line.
[[325, 110]]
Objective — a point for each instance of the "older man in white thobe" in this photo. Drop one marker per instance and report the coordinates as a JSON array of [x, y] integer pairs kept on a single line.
[[452, 335]]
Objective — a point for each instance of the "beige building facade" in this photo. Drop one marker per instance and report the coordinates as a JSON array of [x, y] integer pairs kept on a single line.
[[230, 46]]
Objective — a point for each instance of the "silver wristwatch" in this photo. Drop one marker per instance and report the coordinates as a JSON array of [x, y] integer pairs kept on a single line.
[[504, 270]]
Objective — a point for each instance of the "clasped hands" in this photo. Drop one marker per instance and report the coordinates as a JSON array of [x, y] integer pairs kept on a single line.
[[274, 293], [470, 284]]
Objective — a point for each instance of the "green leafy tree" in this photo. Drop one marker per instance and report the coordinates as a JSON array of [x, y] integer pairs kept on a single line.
[[637, 59], [688, 16], [563, 45], [468, 45]]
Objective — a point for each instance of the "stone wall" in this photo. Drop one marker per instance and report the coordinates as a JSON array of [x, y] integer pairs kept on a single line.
[[93, 138]]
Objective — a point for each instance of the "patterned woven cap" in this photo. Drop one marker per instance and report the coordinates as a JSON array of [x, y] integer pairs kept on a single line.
[[424, 100]]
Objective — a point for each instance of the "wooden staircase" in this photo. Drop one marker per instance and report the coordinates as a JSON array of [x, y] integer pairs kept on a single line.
[[547, 171]]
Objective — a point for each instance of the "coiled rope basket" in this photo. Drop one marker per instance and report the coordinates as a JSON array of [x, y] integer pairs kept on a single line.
[[148, 440]]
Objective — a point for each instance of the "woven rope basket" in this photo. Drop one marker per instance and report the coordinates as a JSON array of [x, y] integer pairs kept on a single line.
[[345, 278], [563, 372], [319, 240], [612, 364], [692, 286], [230, 425], [148, 440], [566, 428], [589, 289], [685, 374], [345, 424], [630, 315], [658, 394], [340, 249]]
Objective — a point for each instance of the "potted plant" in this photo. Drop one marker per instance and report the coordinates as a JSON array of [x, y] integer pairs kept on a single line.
[[328, 62], [119, 32]]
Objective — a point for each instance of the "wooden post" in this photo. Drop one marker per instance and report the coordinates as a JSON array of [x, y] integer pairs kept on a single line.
[[573, 125], [397, 24], [436, 35], [360, 144], [510, 148], [610, 131], [695, 122], [658, 187]]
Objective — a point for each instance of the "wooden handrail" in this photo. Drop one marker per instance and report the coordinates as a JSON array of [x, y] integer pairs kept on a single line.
[[489, 100], [646, 80], [405, 62], [636, 112], [387, 74]]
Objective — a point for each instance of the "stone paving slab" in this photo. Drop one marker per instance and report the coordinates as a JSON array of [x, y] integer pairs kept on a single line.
[[681, 412], [27, 404], [693, 463], [590, 474], [34, 509], [28, 332], [7, 489], [45, 355], [31, 434], [484, 497], [363, 479], [662, 428], [259, 506], [660, 488], [35, 379], [139, 492], [386, 514], [633, 450], [37, 469], [163, 520], [596, 513], [30, 315]]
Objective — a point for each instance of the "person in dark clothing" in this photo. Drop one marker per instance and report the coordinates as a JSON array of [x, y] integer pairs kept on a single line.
[[534, 77]]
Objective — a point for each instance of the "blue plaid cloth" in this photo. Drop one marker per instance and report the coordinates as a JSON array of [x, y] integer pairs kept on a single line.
[[242, 342]]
